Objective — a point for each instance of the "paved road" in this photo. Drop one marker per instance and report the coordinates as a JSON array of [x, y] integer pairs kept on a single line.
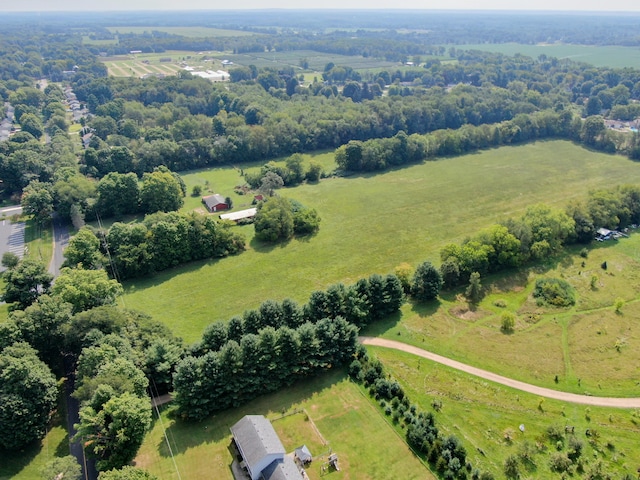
[[11, 234], [60, 242], [525, 387]]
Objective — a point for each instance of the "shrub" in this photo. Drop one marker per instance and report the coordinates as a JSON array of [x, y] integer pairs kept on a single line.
[[559, 462], [554, 291], [508, 321], [584, 253]]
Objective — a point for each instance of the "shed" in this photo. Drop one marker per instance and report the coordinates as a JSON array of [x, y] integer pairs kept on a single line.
[[303, 454], [239, 215], [215, 202], [258, 444]]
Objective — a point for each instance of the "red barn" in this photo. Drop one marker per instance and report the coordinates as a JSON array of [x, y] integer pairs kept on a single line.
[[215, 202]]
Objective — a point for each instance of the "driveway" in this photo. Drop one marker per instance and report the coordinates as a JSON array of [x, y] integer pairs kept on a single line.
[[525, 387]]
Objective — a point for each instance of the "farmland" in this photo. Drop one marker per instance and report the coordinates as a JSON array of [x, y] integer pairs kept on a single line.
[[600, 56], [138, 65], [369, 227], [192, 32]]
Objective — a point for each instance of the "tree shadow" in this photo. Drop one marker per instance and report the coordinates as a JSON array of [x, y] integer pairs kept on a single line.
[[184, 435], [14, 461], [267, 247], [380, 327]]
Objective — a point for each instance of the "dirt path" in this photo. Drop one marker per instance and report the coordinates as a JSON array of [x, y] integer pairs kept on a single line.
[[525, 387]]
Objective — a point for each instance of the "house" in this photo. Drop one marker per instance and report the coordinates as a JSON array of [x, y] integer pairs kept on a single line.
[[215, 202], [262, 452], [239, 215], [303, 454]]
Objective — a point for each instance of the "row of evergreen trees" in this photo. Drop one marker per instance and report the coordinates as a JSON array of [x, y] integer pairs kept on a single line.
[[278, 343]]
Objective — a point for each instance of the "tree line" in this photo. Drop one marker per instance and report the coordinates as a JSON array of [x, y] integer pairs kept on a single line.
[[159, 242], [279, 343]]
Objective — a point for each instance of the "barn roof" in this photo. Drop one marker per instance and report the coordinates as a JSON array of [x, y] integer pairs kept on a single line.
[[212, 200]]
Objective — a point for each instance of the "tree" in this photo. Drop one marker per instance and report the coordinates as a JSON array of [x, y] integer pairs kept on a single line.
[[27, 396], [427, 282], [62, 468], [86, 289], [118, 194], [83, 250], [474, 289], [274, 220], [113, 434], [26, 282], [127, 473], [160, 192], [10, 260], [270, 182], [30, 123], [37, 200]]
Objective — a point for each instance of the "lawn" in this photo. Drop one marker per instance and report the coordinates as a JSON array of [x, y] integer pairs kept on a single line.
[[372, 223], [599, 56], [347, 422]]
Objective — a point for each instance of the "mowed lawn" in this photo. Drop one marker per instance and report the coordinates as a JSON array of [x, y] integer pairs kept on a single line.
[[372, 223], [614, 56], [348, 424]]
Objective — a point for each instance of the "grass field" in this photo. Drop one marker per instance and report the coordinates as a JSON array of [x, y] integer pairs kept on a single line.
[[195, 32], [480, 413], [149, 63], [346, 420], [600, 56], [371, 224]]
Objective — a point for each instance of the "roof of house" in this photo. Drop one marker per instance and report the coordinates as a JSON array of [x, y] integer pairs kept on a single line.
[[284, 469], [213, 200], [256, 438], [604, 232], [239, 215]]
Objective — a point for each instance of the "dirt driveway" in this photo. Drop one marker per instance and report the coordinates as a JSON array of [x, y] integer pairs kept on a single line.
[[525, 387]]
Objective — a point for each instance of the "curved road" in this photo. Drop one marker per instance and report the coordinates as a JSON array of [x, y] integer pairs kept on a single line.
[[525, 387]]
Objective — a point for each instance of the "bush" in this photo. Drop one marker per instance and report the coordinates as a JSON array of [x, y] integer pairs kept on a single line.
[[508, 321], [560, 462], [555, 292]]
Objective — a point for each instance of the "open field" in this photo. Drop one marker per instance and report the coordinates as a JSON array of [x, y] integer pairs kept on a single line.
[[317, 60], [599, 56], [195, 32], [480, 413], [371, 224], [547, 343], [346, 420], [140, 64]]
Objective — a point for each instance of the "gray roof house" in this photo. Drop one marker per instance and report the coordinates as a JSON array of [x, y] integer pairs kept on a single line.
[[262, 451]]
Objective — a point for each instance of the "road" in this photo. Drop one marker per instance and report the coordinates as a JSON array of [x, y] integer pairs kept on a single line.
[[508, 382], [60, 242], [11, 234]]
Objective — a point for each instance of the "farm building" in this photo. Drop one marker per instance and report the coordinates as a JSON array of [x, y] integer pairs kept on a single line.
[[240, 215], [215, 202], [262, 452]]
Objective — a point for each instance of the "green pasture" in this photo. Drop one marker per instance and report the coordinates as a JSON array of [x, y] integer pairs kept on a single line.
[[373, 223], [487, 417], [194, 32], [317, 60], [345, 422], [547, 343], [86, 40], [600, 56]]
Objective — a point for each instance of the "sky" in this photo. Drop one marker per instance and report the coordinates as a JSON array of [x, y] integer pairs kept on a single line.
[[114, 5]]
